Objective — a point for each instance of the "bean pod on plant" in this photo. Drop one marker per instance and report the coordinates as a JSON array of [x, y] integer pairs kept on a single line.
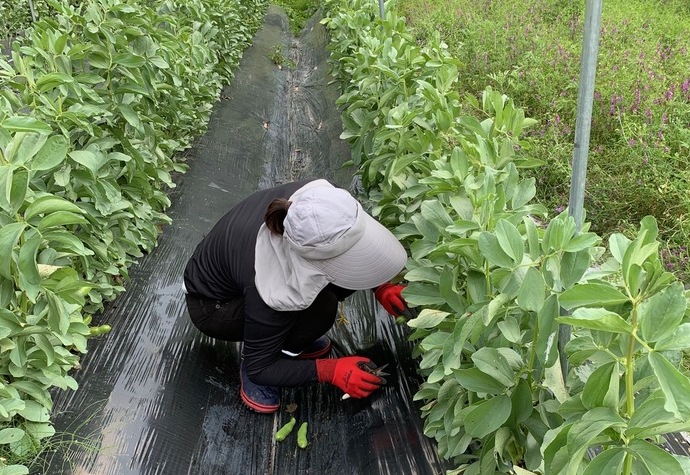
[[285, 430], [302, 436]]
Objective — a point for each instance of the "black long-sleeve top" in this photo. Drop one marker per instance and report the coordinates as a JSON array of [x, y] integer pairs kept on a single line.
[[222, 268]]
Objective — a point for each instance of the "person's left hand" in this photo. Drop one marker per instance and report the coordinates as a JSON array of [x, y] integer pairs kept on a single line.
[[390, 297]]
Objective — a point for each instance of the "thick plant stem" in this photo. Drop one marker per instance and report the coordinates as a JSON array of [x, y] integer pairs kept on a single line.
[[627, 464], [630, 367], [629, 383]]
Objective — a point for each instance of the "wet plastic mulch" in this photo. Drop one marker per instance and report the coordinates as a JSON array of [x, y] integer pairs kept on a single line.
[[156, 396]]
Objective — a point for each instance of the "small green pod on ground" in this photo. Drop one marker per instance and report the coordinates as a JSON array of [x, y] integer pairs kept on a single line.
[[302, 436], [285, 430]]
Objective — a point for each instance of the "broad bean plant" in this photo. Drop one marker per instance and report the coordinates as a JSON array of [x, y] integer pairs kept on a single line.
[[96, 103], [497, 280]]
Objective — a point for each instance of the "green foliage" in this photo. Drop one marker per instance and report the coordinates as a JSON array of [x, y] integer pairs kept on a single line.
[[15, 16], [640, 147], [299, 12], [494, 275], [95, 105]]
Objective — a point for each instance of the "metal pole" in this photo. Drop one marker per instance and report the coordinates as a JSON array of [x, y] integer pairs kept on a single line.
[[33, 11], [583, 123], [382, 12]]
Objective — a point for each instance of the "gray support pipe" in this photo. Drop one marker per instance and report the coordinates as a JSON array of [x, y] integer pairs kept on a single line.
[[34, 18], [382, 12], [588, 69], [583, 122]]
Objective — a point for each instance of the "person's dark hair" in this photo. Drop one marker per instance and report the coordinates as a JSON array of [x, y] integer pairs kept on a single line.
[[275, 215]]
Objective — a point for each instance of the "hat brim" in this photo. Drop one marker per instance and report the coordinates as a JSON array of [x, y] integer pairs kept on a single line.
[[373, 260]]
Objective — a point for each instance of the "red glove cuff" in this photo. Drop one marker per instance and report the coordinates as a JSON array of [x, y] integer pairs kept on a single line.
[[325, 369]]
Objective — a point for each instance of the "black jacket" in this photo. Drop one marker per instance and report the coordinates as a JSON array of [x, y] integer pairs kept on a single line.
[[222, 268]]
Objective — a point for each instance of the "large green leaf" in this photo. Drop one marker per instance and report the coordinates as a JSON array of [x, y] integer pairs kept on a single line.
[[547, 332], [581, 242], [448, 288], [20, 187], [609, 461], [35, 412], [477, 381], [602, 387], [418, 293], [591, 294], [50, 204], [618, 244], [58, 316], [573, 267], [656, 459], [60, 218], [532, 291], [492, 251], [93, 161], [15, 470], [428, 318], [649, 414], [678, 340], [488, 416], [583, 433], [660, 315], [555, 451], [29, 146], [597, 319], [510, 240], [65, 241], [532, 238], [675, 385], [522, 404], [434, 212], [492, 362], [476, 283], [524, 192], [51, 155], [462, 227], [29, 278], [424, 274], [25, 124], [9, 235], [11, 434], [6, 174], [129, 60]]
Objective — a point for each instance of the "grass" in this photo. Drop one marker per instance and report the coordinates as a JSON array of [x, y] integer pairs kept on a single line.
[[639, 161], [299, 12], [62, 445]]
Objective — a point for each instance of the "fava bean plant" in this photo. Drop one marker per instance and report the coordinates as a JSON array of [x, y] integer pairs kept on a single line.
[[496, 278], [96, 103]]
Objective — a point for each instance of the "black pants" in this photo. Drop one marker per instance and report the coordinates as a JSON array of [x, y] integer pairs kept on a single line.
[[225, 320]]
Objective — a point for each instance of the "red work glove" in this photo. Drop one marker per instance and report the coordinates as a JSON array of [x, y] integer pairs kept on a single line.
[[390, 297], [346, 374]]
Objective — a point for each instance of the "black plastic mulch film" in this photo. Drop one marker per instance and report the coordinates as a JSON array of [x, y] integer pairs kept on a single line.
[[158, 397]]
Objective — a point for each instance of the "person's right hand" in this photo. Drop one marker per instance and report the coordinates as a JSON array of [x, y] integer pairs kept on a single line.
[[347, 374]]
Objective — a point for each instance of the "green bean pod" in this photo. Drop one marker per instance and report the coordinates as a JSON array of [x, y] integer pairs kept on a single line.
[[302, 436], [285, 430]]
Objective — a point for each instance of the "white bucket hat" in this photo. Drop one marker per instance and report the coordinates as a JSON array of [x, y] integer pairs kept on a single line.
[[328, 238]]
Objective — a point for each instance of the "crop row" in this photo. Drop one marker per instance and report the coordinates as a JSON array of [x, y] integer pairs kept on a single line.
[[96, 104], [539, 344]]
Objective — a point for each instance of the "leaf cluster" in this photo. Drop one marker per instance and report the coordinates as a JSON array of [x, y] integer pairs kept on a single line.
[[96, 104], [496, 278]]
